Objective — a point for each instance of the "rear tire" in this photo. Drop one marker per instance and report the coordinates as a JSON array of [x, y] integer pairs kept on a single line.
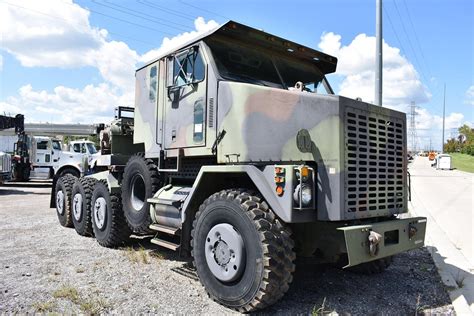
[[63, 193], [242, 252], [372, 267], [140, 182], [108, 220], [81, 206]]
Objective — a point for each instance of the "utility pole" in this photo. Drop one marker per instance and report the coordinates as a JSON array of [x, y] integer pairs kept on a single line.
[[444, 116], [412, 130], [378, 53]]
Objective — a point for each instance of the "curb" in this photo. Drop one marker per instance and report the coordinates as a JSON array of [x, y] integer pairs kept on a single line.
[[455, 293]]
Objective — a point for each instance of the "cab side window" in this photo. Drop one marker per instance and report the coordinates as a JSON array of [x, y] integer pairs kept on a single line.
[[153, 83], [42, 145], [188, 67], [76, 148]]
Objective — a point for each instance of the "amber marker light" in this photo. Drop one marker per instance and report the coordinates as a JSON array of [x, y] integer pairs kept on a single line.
[[279, 179], [304, 171], [279, 190], [279, 170]]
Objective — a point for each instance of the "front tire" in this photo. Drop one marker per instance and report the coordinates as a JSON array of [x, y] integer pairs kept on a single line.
[[108, 222], [81, 206], [63, 193], [242, 252], [140, 182]]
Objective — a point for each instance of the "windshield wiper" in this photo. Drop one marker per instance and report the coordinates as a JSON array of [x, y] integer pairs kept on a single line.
[[278, 73]]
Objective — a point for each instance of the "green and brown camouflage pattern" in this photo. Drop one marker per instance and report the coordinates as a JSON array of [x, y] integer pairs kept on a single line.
[[268, 126]]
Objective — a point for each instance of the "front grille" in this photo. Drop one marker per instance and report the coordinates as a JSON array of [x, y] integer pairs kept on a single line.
[[374, 163]]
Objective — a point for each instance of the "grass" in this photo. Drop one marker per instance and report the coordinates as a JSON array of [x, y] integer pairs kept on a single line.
[[141, 255], [321, 310], [463, 162], [67, 292], [43, 307], [90, 306], [93, 306]]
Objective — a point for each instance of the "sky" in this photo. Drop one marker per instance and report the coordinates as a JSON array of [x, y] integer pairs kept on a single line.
[[73, 61]]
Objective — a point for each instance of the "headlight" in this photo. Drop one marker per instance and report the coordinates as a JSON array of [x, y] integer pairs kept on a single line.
[[304, 193]]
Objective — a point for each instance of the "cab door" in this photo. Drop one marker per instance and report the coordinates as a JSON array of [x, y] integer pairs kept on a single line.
[[43, 152], [185, 103]]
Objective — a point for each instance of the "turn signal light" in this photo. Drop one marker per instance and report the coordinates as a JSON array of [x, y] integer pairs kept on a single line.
[[279, 179], [279, 190], [304, 171], [279, 170]]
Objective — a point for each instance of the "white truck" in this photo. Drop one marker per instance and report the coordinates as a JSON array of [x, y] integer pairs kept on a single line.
[[48, 159]]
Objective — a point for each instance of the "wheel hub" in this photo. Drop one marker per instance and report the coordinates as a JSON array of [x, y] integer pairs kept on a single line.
[[77, 206], [222, 253], [60, 202], [100, 208], [225, 252]]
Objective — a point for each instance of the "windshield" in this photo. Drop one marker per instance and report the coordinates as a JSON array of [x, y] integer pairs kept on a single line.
[[91, 148], [243, 63], [56, 145]]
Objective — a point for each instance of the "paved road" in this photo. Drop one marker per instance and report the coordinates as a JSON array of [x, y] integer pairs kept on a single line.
[[446, 198]]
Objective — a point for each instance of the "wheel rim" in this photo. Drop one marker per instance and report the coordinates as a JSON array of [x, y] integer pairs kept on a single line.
[[77, 206], [225, 252], [100, 210], [138, 192], [60, 202]]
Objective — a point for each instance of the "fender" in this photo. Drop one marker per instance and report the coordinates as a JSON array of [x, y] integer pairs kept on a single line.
[[211, 179]]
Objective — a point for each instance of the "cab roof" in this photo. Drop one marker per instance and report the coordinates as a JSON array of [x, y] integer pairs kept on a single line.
[[236, 31]]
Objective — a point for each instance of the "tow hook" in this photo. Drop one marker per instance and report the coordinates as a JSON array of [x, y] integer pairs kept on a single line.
[[412, 230], [374, 240]]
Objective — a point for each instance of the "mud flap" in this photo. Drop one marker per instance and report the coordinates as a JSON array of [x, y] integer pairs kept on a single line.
[[370, 242]]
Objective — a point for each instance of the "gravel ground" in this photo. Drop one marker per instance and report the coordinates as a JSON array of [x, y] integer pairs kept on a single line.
[[45, 267]]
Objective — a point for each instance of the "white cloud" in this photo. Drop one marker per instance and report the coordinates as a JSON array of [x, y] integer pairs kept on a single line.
[[469, 99], [61, 35], [356, 61], [67, 105], [168, 44]]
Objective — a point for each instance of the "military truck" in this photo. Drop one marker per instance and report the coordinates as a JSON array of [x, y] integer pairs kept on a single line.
[[241, 156]]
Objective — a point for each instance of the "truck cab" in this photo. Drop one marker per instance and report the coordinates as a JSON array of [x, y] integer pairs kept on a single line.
[[48, 159]]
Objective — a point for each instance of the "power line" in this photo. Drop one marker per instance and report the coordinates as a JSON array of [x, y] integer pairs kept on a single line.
[[204, 10], [84, 27], [170, 11], [394, 30], [141, 15], [409, 41], [122, 20], [417, 39]]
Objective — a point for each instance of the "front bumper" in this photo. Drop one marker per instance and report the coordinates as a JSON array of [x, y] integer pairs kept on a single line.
[[363, 244]]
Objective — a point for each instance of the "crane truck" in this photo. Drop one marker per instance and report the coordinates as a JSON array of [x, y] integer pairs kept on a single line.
[[240, 155]]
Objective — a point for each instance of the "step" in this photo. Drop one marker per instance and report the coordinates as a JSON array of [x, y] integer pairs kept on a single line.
[[165, 229], [173, 203], [165, 244]]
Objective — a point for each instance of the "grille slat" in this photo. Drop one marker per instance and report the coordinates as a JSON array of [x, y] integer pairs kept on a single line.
[[374, 163]]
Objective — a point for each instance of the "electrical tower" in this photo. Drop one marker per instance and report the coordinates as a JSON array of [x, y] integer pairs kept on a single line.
[[412, 128]]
